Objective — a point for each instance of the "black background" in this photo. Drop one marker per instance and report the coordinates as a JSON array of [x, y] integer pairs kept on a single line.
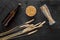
[[47, 32]]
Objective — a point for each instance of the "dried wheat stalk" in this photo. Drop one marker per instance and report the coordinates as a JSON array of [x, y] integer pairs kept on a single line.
[[30, 28]]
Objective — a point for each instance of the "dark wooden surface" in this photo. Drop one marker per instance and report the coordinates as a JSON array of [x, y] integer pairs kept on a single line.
[[47, 32]]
